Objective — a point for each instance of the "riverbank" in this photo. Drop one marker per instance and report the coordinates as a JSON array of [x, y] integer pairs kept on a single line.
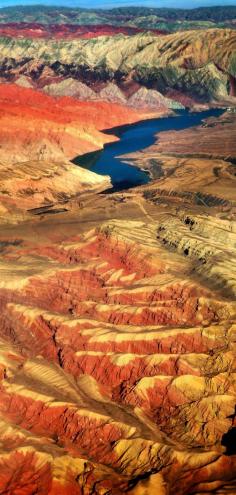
[[114, 161]]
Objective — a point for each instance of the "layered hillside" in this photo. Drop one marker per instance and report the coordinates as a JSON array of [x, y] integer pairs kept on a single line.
[[65, 31], [38, 127], [139, 98], [200, 64], [40, 186]]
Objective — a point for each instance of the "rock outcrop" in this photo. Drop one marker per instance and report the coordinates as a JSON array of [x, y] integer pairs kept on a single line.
[[112, 93], [151, 98], [70, 87]]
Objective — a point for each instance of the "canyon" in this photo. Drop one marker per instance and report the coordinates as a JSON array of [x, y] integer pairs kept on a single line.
[[118, 308]]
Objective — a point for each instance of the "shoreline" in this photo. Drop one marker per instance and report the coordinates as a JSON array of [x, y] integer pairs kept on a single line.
[[114, 157]]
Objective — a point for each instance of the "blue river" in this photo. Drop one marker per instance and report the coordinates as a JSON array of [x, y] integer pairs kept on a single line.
[[133, 138]]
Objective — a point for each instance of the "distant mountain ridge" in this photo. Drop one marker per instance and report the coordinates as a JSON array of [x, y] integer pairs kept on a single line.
[[116, 16]]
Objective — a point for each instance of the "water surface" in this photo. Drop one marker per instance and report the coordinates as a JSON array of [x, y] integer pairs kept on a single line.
[[134, 138]]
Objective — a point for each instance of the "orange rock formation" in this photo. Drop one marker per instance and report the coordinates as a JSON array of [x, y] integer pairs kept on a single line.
[[35, 126]]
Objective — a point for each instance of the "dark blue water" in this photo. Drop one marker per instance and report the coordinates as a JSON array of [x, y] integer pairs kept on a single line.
[[134, 138]]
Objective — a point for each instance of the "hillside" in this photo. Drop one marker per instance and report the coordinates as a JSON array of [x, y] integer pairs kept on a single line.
[[39, 127]]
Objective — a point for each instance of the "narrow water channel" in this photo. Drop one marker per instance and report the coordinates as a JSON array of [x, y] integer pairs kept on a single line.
[[134, 138]]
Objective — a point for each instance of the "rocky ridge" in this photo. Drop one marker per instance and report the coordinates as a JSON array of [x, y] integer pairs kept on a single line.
[[192, 63]]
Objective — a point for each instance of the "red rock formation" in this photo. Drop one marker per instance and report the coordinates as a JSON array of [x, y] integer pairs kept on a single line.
[[66, 31], [38, 127], [21, 473]]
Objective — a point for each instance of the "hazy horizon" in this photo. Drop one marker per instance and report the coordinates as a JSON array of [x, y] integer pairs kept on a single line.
[[118, 3]]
